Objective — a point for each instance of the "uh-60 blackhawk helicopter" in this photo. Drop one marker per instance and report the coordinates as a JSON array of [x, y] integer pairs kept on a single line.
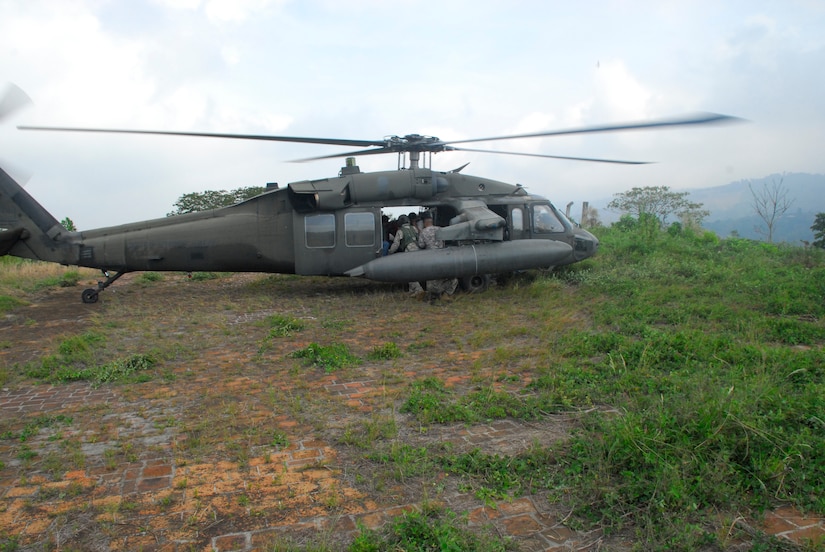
[[330, 226]]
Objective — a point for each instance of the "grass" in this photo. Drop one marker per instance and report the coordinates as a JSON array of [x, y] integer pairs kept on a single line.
[[76, 360], [691, 368], [703, 372], [23, 275], [433, 528], [329, 357]]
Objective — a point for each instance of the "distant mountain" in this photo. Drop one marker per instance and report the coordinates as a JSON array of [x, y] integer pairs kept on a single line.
[[731, 207]]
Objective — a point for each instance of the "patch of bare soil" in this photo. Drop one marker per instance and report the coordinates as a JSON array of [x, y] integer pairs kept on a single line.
[[235, 444]]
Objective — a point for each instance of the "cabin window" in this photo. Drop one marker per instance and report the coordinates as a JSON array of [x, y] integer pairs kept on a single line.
[[359, 229], [545, 220], [517, 219], [320, 230]]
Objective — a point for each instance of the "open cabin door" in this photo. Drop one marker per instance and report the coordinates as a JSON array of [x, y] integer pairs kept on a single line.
[[516, 227], [332, 242]]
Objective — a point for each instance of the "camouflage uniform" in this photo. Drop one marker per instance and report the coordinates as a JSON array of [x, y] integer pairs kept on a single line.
[[406, 239], [435, 288]]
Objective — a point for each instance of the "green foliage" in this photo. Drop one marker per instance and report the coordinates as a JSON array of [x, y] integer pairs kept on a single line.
[[408, 461], [204, 276], [660, 203], [702, 367], [430, 402], [122, 370], [35, 425], [149, 277], [819, 231], [9, 543], [433, 528], [70, 278], [68, 224], [711, 407], [329, 357], [503, 477], [212, 199], [387, 351], [280, 326], [75, 360], [8, 303], [74, 352], [366, 433], [283, 326], [280, 440]]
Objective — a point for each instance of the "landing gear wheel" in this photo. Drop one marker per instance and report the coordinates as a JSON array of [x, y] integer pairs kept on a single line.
[[475, 284], [89, 295]]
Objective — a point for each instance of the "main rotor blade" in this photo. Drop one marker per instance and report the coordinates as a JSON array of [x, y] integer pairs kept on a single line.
[[696, 119], [595, 160], [13, 99], [347, 154], [299, 139]]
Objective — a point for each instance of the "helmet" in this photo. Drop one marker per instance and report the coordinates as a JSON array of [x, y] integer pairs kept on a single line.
[[404, 219]]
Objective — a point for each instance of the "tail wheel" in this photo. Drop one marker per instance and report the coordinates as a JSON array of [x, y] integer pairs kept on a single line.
[[89, 295], [476, 283]]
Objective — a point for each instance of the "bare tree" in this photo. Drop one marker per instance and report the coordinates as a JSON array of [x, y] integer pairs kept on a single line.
[[770, 203]]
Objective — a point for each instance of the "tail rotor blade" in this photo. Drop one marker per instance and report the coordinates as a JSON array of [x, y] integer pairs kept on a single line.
[[12, 100]]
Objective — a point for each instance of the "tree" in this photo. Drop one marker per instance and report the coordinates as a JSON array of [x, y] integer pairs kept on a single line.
[[212, 199], [770, 203], [68, 224], [659, 202], [819, 230]]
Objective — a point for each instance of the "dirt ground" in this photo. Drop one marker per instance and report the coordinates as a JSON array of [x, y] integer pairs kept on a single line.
[[233, 444]]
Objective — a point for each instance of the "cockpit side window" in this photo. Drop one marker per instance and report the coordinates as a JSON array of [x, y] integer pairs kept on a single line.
[[518, 219], [545, 220]]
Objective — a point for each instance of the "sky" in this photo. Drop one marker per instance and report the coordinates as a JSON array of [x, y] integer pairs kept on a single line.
[[365, 69]]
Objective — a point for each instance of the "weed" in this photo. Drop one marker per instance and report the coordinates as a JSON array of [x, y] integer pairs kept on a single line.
[[71, 364], [433, 528], [336, 324], [387, 351], [35, 425], [8, 303], [329, 357], [9, 543], [149, 277], [404, 460], [26, 454], [364, 434], [431, 402], [284, 326], [204, 276], [280, 440]]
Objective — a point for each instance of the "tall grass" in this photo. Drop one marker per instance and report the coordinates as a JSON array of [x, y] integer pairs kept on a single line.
[[712, 354], [26, 275], [702, 372]]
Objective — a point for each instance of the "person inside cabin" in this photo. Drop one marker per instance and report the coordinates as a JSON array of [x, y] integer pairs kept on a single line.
[[442, 288], [406, 240]]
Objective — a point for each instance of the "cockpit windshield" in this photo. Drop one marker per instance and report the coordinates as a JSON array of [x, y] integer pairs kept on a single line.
[[546, 220]]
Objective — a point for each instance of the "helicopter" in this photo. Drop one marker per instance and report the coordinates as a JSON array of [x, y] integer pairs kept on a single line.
[[328, 226]]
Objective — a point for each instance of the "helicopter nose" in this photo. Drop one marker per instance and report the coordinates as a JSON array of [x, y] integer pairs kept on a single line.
[[586, 244]]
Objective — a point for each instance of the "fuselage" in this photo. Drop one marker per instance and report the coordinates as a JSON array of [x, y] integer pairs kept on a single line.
[[328, 226]]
